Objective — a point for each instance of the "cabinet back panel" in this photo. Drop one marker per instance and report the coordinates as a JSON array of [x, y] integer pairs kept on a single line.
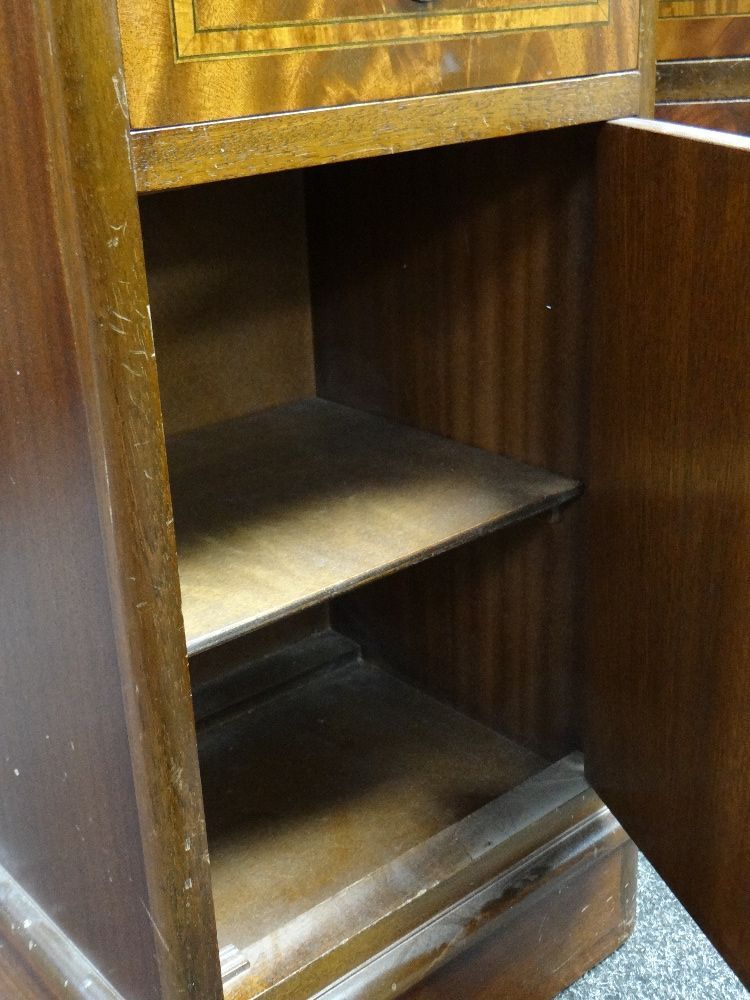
[[227, 274], [450, 291]]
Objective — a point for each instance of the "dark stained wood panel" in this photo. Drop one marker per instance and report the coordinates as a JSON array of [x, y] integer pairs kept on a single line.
[[282, 509], [465, 311], [16, 980], [98, 768], [225, 262], [668, 743], [63, 740]]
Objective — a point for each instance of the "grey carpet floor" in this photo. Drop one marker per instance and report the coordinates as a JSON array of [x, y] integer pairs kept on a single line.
[[666, 958]]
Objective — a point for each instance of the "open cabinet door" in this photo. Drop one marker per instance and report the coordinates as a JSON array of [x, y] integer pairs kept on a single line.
[[668, 720]]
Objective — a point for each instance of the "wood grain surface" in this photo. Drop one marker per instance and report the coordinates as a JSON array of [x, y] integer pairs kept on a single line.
[[465, 311], [178, 72], [381, 934], [326, 780], [16, 980], [192, 154], [667, 739], [98, 779], [537, 949], [702, 29], [227, 276], [281, 509], [724, 116]]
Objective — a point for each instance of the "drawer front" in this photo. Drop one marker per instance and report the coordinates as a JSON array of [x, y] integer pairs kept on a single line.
[[703, 29], [189, 61]]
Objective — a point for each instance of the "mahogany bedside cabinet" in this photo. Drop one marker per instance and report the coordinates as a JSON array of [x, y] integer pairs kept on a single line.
[[374, 499]]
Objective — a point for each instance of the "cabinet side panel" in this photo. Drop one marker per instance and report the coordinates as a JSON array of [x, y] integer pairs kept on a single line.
[[98, 789], [669, 604], [450, 291], [68, 816]]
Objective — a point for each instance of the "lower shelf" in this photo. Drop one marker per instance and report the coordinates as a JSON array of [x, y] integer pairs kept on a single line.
[[361, 832]]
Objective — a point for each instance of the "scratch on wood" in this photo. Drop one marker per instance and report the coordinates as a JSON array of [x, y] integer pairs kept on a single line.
[[154, 925], [120, 94], [132, 370]]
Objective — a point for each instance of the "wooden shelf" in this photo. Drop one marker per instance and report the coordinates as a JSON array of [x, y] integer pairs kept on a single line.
[[349, 813], [285, 508], [313, 787]]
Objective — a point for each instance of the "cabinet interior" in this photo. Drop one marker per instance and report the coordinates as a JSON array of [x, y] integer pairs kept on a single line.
[[373, 382]]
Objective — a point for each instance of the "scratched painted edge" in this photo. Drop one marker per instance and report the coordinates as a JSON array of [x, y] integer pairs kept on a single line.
[[182, 155], [45, 948]]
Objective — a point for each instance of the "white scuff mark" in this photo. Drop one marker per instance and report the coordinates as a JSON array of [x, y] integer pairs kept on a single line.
[[154, 925], [31, 946], [109, 490], [142, 604], [114, 242], [11, 479], [141, 353], [16, 772], [120, 94], [188, 884], [188, 844], [18, 371], [117, 330], [72, 745], [26, 924], [132, 370], [119, 229], [548, 307], [147, 474]]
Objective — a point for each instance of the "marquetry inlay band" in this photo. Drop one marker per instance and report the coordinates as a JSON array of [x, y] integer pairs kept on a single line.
[[703, 8], [215, 29]]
